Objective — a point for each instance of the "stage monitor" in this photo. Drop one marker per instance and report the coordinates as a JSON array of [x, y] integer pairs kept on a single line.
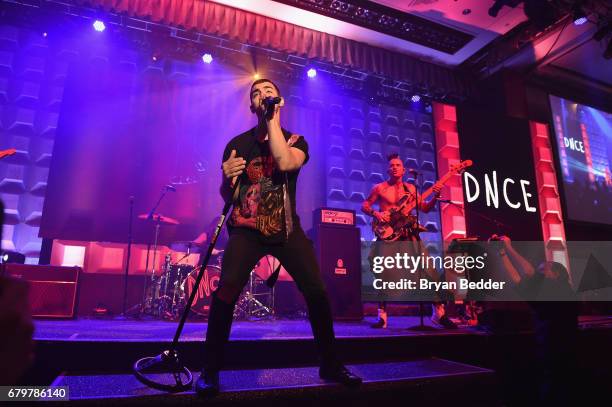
[[584, 143]]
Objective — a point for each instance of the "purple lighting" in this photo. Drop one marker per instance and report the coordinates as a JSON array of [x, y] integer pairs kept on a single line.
[[580, 20], [207, 58], [99, 26], [311, 73], [415, 98]]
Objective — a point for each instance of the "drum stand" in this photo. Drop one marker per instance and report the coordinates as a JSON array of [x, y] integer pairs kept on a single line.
[[249, 306], [150, 294]]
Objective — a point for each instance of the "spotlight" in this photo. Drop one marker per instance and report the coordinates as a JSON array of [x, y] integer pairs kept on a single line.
[[12, 257], [578, 15], [207, 58], [496, 7], [415, 98], [311, 73], [99, 26], [45, 34], [255, 76]]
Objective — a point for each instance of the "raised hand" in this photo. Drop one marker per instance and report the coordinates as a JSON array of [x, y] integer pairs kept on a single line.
[[234, 166]]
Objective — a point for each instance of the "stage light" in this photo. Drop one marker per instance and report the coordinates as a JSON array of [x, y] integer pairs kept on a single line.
[[497, 5], [255, 76], [311, 73], [578, 15], [207, 58], [45, 34], [13, 257], [415, 98], [99, 26]]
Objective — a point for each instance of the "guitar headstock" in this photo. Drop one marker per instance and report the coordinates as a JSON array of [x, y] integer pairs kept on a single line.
[[6, 153], [459, 167]]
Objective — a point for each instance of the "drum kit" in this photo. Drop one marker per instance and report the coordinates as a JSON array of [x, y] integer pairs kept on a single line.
[[166, 292]]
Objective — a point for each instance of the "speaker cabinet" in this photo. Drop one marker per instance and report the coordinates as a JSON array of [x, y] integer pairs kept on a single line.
[[338, 252], [53, 290]]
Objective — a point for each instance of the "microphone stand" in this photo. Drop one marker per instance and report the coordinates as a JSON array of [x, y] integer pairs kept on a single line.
[[421, 327], [169, 359]]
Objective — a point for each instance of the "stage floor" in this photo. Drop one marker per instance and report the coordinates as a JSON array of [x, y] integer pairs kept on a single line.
[[280, 329], [84, 329]]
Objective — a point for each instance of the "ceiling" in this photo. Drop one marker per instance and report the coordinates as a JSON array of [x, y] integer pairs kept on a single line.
[[575, 54], [448, 13], [587, 62]]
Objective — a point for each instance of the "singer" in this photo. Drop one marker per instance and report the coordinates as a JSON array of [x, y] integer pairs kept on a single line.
[[265, 161], [388, 195]]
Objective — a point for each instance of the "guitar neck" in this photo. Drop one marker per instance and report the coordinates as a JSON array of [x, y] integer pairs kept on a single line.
[[442, 181], [6, 153]]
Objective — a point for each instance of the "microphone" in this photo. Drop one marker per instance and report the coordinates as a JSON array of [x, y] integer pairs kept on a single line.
[[170, 188], [269, 101]]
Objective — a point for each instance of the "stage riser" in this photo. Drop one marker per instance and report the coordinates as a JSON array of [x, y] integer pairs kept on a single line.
[[414, 392], [510, 353], [89, 356]]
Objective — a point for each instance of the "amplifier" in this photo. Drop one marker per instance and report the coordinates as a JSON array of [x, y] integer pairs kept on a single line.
[[338, 251], [53, 290], [332, 216]]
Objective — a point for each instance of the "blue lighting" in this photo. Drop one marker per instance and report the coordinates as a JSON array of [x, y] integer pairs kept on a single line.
[[580, 20], [99, 26], [207, 58], [311, 73], [415, 98]]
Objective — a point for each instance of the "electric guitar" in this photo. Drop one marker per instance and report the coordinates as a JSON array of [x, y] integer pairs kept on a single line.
[[6, 153], [400, 217]]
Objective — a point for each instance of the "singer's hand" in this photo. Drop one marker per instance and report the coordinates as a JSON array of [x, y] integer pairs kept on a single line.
[[273, 116], [234, 166]]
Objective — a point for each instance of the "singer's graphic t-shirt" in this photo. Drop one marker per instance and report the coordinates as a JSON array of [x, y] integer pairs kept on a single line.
[[266, 201]]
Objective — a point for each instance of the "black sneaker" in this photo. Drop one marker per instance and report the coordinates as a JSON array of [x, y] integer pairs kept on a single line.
[[379, 324], [339, 374], [207, 384], [447, 323]]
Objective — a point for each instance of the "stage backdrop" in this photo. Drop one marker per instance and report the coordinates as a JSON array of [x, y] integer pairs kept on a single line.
[[129, 126], [500, 190]]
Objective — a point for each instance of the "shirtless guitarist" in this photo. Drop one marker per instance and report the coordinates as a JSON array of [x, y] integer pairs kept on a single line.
[[396, 195]]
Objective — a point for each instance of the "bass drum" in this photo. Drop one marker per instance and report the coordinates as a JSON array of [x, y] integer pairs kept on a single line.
[[208, 285]]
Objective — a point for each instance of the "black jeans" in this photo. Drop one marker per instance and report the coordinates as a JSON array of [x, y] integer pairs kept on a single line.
[[242, 252]]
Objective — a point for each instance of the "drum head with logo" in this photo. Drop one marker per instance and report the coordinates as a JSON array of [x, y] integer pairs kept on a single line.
[[208, 285]]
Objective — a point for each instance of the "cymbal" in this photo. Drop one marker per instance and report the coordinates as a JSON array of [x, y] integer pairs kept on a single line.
[[164, 220], [185, 246]]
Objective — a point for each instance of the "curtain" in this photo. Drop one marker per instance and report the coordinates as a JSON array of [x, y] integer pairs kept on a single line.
[[238, 25]]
